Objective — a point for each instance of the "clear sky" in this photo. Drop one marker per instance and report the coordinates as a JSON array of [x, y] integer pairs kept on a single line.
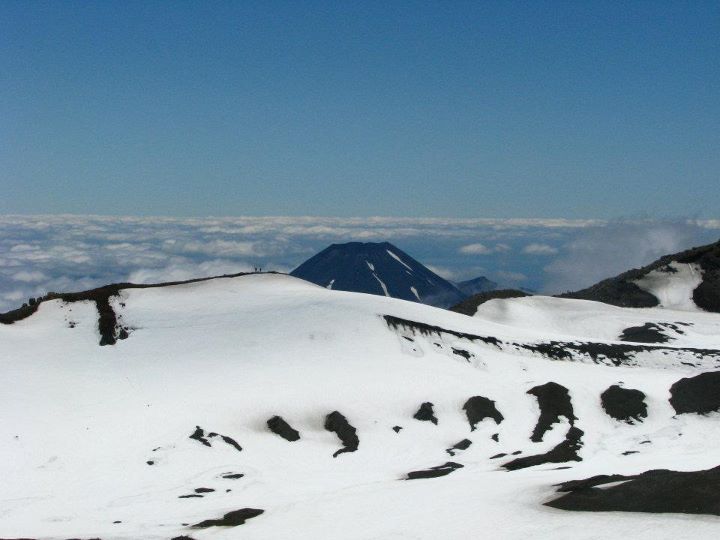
[[477, 109]]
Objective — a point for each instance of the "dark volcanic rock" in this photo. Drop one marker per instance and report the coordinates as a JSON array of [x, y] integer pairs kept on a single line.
[[199, 435], [467, 355], [434, 472], [562, 453], [425, 413], [477, 408], [624, 404], [647, 333], [699, 394], [280, 427], [347, 434], [554, 402], [656, 491], [462, 445], [231, 519], [469, 306], [377, 268], [229, 440]]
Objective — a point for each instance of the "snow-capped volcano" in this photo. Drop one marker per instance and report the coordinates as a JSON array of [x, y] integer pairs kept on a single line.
[[262, 406], [377, 268], [686, 280]]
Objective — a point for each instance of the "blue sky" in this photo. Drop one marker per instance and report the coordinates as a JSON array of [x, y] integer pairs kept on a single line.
[[457, 109]]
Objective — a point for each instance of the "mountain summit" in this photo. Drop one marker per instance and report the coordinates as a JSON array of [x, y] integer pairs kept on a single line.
[[377, 268]]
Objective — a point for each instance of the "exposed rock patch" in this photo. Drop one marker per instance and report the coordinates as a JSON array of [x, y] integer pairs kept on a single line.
[[656, 491], [425, 413], [554, 402], [280, 427], [647, 333], [434, 472], [625, 404], [467, 355], [477, 408], [200, 436], [347, 434], [462, 445], [699, 394], [231, 519], [562, 453]]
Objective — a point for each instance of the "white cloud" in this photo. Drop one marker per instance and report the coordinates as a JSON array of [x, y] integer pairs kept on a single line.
[[482, 249], [29, 277], [217, 248], [475, 249], [539, 249]]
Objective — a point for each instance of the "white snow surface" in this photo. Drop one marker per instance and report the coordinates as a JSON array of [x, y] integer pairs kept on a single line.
[[80, 421], [673, 287]]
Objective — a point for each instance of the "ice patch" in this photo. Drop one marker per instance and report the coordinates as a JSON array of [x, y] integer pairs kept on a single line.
[[371, 266], [329, 285]]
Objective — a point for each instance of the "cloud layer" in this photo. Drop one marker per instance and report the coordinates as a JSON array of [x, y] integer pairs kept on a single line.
[[63, 253]]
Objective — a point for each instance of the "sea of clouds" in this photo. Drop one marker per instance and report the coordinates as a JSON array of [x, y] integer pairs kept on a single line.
[[61, 253]]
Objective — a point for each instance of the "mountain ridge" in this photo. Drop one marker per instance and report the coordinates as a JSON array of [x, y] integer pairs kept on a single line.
[[624, 290]]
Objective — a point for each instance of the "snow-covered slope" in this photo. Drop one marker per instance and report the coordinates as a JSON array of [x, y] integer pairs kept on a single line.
[[165, 433], [377, 268]]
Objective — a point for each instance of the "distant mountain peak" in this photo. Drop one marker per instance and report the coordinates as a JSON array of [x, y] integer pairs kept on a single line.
[[476, 285], [378, 268]]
